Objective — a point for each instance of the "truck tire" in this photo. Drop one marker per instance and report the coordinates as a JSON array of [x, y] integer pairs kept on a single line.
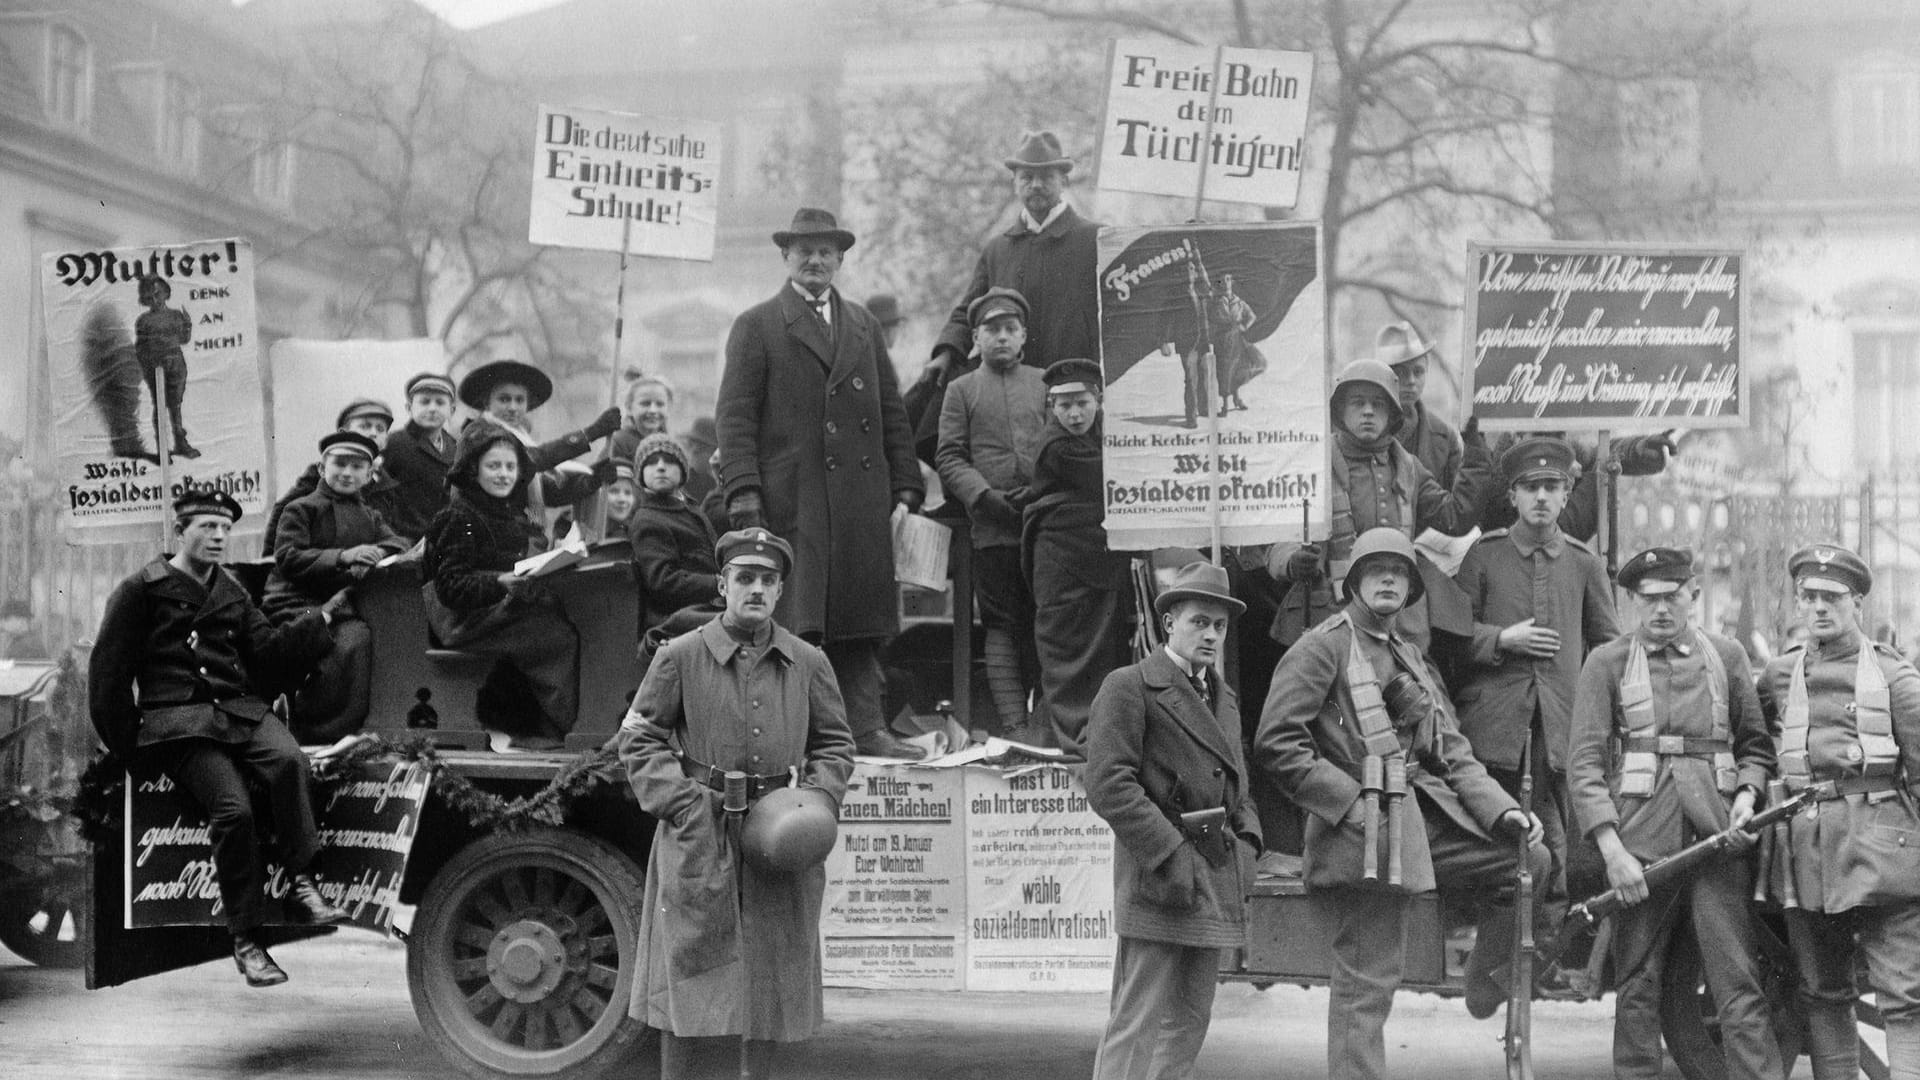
[[1689, 1022], [522, 956], [40, 920]]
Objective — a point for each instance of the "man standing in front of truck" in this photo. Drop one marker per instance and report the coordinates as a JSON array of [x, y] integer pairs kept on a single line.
[[728, 947]]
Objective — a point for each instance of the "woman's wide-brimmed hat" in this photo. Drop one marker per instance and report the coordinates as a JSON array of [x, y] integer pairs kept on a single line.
[[478, 386]]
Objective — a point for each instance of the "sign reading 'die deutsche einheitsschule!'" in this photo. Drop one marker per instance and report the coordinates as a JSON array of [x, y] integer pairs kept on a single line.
[[1156, 137], [1617, 337], [595, 171]]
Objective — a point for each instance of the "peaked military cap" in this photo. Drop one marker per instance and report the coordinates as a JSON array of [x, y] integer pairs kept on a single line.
[[1830, 567], [1071, 376], [198, 500], [348, 442], [1656, 571], [1536, 458], [995, 302], [754, 547]]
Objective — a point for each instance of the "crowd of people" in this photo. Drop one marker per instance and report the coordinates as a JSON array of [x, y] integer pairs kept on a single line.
[[1346, 698]]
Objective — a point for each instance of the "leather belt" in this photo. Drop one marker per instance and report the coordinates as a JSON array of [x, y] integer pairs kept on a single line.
[[1672, 745], [1829, 790], [716, 778]]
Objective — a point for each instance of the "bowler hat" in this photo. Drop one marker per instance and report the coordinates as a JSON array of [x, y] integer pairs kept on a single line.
[[1040, 150], [202, 500], [813, 221], [885, 308], [997, 301], [1399, 343], [1198, 581], [348, 442], [1830, 567], [1656, 571], [1537, 458], [478, 386], [755, 547]]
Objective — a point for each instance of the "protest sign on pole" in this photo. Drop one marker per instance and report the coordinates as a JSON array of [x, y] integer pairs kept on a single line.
[[1624, 337], [314, 380], [142, 341], [595, 172], [1251, 294], [1183, 118]]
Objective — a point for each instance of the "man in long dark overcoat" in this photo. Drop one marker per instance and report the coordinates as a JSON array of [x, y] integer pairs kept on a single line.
[[814, 446], [728, 947]]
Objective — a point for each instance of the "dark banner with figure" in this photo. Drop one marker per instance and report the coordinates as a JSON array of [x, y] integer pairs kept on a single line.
[[1213, 336], [1618, 337]]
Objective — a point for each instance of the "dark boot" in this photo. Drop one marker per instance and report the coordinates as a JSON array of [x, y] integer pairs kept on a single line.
[[181, 447], [1833, 1042], [756, 1059], [676, 1057], [306, 905], [254, 963], [1489, 966]]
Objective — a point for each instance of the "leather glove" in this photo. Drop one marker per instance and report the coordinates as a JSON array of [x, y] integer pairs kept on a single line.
[[338, 606], [604, 425], [1183, 871], [995, 507], [911, 498], [1667, 442], [1470, 435], [603, 472], [744, 510], [1304, 565]]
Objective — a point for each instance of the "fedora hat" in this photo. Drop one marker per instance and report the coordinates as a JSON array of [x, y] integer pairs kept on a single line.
[[478, 386], [1040, 150], [813, 221], [1399, 343], [1198, 581]]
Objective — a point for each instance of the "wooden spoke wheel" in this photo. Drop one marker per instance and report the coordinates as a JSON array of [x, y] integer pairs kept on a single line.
[[522, 956], [40, 918]]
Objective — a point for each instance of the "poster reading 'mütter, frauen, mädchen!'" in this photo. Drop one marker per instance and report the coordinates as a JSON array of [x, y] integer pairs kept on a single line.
[[603, 179], [151, 350], [896, 882], [1616, 336]]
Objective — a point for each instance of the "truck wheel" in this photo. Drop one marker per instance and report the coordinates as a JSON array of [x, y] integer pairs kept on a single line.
[[1689, 1021], [40, 920], [522, 956]]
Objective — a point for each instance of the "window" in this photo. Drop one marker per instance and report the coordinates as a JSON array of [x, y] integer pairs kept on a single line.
[[272, 164], [179, 117], [1877, 116], [69, 78], [1886, 395]]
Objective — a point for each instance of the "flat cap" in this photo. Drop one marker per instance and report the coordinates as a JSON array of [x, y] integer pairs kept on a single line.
[[348, 442], [1830, 567], [1537, 458], [365, 406], [995, 302], [754, 547], [1072, 376], [1656, 571], [430, 381], [199, 500]]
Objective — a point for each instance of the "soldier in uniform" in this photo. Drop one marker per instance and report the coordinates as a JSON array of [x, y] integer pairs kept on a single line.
[[1669, 748], [1358, 733], [728, 947], [1846, 716], [1165, 769], [176, 677], [1540, 601]]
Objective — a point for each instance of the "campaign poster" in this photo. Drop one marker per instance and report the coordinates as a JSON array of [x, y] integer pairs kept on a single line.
[[1619, 337], [367, 820], [597, 173], [314, 380], [153, 348], [1213, 338], [1179, 116], [1039, 883], [896, 896]]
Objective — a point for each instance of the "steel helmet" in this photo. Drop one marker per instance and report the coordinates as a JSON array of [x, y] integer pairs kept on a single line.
[[790, 830], [1369, 373], [1381, 543]]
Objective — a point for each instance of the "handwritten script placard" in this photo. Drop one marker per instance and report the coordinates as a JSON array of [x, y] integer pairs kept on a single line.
[[1619, 337]]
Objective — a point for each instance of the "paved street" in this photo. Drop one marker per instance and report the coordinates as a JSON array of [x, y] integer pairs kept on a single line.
[[346, 1014]]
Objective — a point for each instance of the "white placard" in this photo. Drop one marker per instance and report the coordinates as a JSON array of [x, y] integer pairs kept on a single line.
[[593, 171]]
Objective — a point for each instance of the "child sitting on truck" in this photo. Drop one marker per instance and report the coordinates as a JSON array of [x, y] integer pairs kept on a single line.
[[672, 541]]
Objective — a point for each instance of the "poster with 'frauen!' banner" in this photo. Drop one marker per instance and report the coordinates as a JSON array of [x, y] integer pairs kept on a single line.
[[1620, 337], [595, 173], [897, 882], [142, 341], [1205, 325]]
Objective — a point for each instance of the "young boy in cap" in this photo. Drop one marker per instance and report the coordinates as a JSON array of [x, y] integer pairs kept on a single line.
[[672, 540], [178, 676], [1669, 747], [1080, 589], [1846, 716], [362, 416], [1166, 771], [727, 947], [418, 455], [327, 541], [622, 495], [1541, 602], [1426, 436], [990, 428], [1357, 732]]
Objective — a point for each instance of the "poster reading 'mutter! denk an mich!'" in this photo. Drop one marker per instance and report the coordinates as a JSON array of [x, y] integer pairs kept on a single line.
[[1205, 329]]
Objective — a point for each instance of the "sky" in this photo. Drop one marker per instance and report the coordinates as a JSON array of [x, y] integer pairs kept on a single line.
[[470, 13]]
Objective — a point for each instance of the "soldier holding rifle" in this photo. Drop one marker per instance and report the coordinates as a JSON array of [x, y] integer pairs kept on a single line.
[[1669, 747], [1846, 714], [1359, 734]]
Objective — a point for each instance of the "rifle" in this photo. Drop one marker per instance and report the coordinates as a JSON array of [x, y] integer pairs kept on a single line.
[[1589, 913], [1519, 1033]]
